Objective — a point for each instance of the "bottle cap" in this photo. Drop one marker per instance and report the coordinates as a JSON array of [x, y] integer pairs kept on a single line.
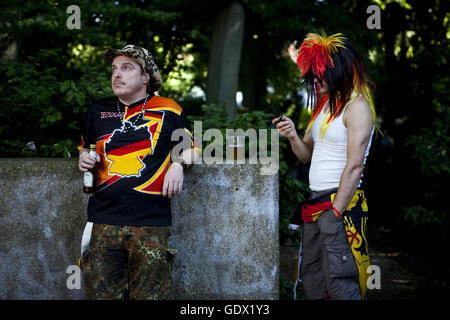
[[92, 146]]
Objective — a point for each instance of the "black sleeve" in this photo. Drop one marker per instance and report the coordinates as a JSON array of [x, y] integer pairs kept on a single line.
[[181, 131]]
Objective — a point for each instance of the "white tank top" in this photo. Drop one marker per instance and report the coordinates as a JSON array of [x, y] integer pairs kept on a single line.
[[329, 155]]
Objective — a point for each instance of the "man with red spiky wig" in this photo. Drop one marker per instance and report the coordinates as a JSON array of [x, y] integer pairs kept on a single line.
[[333, 258]]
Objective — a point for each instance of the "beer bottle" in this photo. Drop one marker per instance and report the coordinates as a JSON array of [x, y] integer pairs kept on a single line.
[[89, 180]]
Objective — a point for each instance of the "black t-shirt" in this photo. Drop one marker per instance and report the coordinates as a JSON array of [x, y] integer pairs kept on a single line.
[[134, 144]]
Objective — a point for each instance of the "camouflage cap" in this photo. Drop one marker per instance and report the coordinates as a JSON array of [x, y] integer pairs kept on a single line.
[[144, 58]]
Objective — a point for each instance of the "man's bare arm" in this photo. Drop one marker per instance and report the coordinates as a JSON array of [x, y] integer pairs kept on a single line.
[[359, 122], [173, 180], [301, 148]]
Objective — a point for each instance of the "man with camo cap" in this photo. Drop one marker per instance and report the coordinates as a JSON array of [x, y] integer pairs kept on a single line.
[[144, 59], [125, 251]]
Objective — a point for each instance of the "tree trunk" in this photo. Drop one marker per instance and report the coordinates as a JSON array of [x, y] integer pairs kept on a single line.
[[252, 69], [225, 57]]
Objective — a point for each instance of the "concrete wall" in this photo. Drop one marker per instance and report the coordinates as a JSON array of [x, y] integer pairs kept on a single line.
[[225, 226]]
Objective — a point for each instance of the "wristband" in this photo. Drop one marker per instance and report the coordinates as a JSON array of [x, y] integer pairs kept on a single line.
[[336, 211]]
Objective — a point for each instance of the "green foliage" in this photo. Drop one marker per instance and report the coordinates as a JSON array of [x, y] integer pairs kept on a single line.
[[46, 106], [430, 146], [63, 147], [59, 72], [418, 216], [430, 150], [254, 119], [212, 116], [292, 191], [430, 222]]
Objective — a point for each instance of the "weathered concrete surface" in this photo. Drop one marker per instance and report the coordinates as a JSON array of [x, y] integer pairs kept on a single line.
[[225, 228], [41, 221], [228, 236]]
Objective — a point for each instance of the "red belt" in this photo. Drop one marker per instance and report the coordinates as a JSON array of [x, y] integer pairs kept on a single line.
[[308, 210]]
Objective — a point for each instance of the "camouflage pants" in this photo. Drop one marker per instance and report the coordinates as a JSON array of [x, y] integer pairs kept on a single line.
[[125, 262]]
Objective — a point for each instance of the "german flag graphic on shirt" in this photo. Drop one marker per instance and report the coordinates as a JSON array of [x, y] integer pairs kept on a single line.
[[125, 150], [126, 159], [134, 143]]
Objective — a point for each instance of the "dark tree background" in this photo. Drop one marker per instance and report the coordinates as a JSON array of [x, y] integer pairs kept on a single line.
[[49, 75]]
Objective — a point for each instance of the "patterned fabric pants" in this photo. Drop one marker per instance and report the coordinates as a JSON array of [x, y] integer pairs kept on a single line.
[[335, 254], [125, 262]]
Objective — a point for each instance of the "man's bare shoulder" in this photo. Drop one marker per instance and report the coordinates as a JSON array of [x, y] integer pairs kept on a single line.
[[358, 110]]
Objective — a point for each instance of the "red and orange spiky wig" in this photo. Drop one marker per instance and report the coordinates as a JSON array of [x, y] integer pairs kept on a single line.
[[316, 53], [333, 60]]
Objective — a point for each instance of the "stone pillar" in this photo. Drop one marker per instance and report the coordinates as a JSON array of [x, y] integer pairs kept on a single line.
[[11, 52], [225, 226], [224, 59]]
